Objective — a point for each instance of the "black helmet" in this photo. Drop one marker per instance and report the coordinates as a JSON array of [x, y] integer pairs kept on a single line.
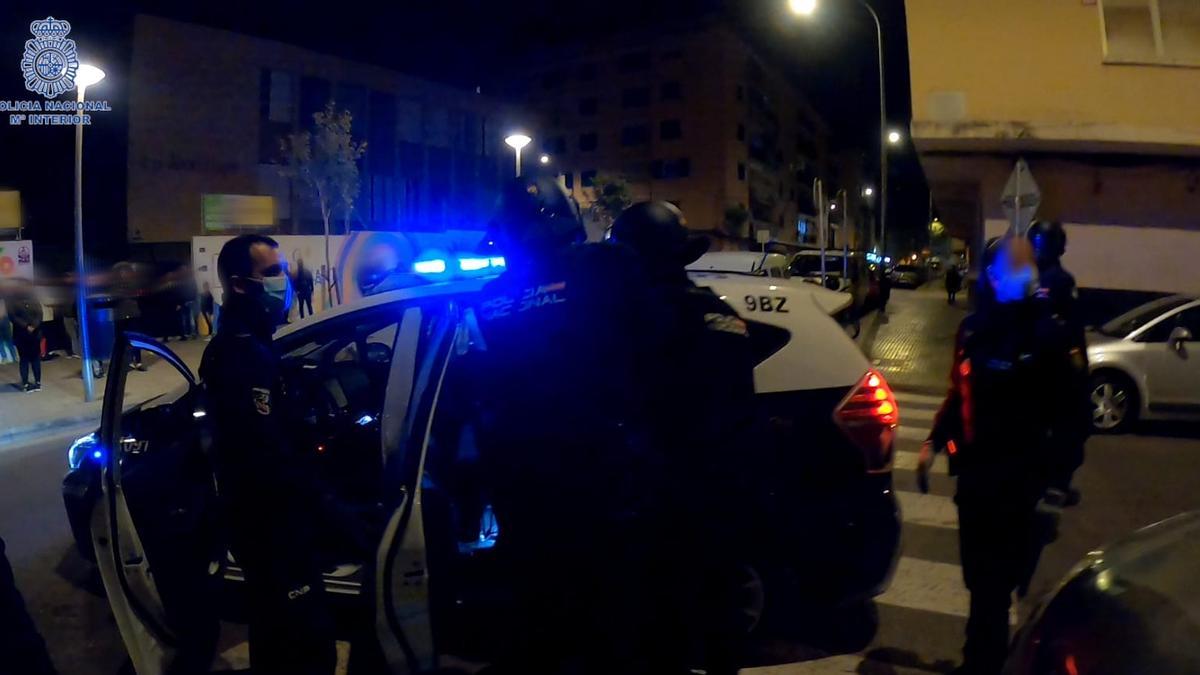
[[535, 215], [1049, 240], [658, 230]]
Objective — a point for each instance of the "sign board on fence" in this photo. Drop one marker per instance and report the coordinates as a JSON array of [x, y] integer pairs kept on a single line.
[[16, 259], [763, 236], [10, 210], [222, 213]]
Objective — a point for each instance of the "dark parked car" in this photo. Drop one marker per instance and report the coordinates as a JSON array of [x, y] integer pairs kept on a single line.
[[908, 276]]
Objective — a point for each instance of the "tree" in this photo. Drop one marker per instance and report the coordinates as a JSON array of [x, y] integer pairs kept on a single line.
[[612, 197], [325, 161], [736, 216]]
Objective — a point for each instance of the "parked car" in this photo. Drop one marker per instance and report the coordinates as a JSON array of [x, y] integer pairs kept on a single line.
[[1131, 607], [1145, 365], [371, 389], [908, 276]]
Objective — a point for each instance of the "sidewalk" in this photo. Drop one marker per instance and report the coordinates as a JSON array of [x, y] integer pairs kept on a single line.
[[913, 344], [60, 402]]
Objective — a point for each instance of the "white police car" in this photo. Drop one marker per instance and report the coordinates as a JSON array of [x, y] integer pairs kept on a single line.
[[370, 387]]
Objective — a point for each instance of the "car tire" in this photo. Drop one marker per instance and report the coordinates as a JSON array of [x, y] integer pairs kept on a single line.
[[1114, 402]]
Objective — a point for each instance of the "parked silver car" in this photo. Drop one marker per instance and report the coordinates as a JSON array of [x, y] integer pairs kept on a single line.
[[1145, 364]]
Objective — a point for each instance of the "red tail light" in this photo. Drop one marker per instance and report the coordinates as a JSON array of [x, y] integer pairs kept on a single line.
[[868, 416]]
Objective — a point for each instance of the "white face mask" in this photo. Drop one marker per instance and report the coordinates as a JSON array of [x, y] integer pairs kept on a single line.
[[276, 296]]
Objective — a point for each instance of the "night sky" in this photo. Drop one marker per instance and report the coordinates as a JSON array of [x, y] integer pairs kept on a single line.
[[831, 56]]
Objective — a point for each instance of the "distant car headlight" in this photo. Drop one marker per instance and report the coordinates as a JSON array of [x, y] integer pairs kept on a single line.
[[83, 448]]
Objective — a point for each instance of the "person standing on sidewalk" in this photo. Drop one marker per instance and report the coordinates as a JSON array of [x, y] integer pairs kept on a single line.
[[1005, 420], [128, 313], [206, 308], [8, 351], [26, 313], [953, 283], [269, 497], [304, 287]]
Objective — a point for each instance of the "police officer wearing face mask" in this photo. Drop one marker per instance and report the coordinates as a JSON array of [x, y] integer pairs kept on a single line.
[[1001, 424], [269, 499], [1059, 298]]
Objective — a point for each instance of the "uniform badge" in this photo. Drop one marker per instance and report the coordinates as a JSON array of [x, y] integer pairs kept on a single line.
[[262, 400]]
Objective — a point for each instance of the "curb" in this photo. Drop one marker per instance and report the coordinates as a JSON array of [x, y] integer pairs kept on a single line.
[[21, 433]]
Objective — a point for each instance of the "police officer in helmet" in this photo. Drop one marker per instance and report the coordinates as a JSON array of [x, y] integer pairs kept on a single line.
[[564, 438], [1059, 298], [1005, 423], [705, 412], [270, 500]]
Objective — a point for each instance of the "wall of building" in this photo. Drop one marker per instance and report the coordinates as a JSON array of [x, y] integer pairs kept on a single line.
[[206, 109]]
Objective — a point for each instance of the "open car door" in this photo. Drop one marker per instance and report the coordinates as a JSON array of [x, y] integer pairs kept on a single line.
[[149, 528], [402, 610]]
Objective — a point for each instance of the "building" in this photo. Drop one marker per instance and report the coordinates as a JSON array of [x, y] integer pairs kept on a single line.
[[696, 118], [207, 109], [1101, 97]]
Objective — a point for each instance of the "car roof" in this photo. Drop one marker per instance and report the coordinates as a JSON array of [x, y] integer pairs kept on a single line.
[[744, 262], [434, 290]]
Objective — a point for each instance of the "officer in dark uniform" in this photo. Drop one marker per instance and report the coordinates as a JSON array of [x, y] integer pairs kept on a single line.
[[564, 437], [705, 413], [269, 499], [1004, 423], [1059, 298]]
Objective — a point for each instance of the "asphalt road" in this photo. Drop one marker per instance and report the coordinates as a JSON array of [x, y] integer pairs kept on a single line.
[[916, 627]]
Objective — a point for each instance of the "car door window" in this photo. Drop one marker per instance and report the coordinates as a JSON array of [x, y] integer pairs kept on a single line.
[[1161, 331]]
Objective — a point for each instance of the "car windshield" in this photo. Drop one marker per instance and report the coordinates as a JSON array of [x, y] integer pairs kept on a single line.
[[806, 265], [1140, 316]]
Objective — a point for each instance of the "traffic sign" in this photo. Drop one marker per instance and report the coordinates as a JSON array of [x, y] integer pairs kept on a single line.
[[1021, 199]]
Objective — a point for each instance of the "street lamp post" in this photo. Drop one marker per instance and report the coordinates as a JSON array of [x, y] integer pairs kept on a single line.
[[86, 76], [808, 8], [517, 142]]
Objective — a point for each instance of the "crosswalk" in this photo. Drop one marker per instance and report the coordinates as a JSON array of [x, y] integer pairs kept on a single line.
[[928, 579]]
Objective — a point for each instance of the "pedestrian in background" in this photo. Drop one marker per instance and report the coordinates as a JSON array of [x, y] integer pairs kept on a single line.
[[206, 308], [885, 288], [953, 282], [185, 288], [128, 313], [26, 313], [1009, 414], [304, 287], [8, 351]]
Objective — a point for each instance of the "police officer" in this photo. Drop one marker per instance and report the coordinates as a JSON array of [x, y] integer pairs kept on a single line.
[[1002, 424], [269, 499], [1059, 298], [705, 413], [564, 438]]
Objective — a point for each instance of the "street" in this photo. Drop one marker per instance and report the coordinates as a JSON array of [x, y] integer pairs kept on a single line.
[[916, 626]]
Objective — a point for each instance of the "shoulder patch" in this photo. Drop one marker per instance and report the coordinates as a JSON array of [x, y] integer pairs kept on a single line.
[[725, 323], [262, 400]]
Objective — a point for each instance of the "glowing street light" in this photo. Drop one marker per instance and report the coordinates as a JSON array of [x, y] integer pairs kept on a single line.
[[894, 137], [803, 7], [86, 76], [833, 206], [868, 191], [517, 142], [544, 159]]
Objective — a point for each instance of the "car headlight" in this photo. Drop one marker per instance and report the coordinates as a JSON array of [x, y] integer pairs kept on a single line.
[[83, 448]]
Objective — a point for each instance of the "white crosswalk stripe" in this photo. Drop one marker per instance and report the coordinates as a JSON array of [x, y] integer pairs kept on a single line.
[[927, 510], [909, 415], [927, 400], [906, 460], [911, 433]]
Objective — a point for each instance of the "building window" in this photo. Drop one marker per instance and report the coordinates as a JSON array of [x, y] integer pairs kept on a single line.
[[670, 91], [555, 145], [634, 62], [741, 92], [587, 142], [589, 106], [277, 110], [741, 169], [741, 132], [635, 97], [587, 72], [638, 134], [670, 130], [1151, 31], [666, 169], [587, 178], [569, 180]]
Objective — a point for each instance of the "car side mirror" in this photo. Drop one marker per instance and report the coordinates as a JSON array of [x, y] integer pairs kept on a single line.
[[1179, 336]]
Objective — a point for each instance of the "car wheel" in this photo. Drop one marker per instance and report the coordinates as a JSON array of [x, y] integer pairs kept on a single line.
[[1114, 403]]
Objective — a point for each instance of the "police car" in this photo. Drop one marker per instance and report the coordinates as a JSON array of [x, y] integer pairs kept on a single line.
[[375, 398]]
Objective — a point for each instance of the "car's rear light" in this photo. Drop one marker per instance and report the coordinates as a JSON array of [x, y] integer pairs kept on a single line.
[[868, 416]]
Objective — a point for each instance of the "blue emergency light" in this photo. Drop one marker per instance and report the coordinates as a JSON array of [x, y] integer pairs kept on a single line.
[[432, 266]]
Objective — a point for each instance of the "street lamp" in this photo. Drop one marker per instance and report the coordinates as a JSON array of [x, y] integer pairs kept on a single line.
[[86, 76], [516, 142], [808, 8], [868, 191], [894, 137], [544, 159]]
